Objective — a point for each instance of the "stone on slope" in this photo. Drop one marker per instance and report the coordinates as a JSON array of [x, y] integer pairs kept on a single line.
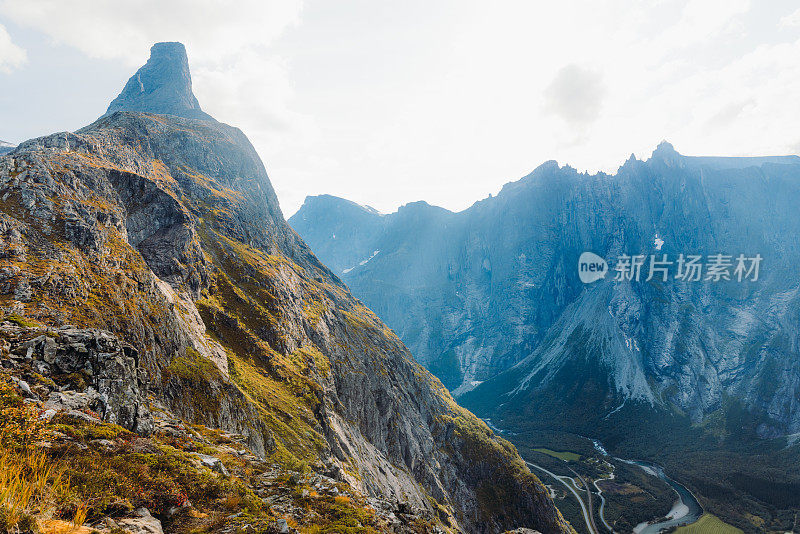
[[142, 522]]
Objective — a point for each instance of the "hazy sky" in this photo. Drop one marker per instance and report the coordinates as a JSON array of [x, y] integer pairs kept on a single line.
[[390, 102]]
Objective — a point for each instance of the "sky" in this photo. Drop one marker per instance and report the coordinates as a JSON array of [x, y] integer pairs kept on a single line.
[[386, 103]]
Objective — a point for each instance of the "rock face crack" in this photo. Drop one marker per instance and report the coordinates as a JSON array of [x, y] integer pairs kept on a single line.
[[160, 229]]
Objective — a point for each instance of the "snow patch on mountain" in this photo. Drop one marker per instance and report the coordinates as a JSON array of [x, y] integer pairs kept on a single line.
[[361, 263]]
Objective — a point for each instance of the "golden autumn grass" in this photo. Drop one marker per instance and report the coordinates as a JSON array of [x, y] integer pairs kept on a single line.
[[30, 481]]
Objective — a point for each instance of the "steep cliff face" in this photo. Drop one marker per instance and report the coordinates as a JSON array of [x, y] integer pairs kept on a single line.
[[495, 289], [166, 231]]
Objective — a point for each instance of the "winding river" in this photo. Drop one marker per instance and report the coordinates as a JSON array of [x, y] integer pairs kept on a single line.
[[686, 509]]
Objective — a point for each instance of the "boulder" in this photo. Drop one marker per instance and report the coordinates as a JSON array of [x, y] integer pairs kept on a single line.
[[141, 523]]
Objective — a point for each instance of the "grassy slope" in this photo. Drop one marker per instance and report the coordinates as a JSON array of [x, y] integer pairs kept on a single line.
[[708, 524], [567, 456], [89, 471]]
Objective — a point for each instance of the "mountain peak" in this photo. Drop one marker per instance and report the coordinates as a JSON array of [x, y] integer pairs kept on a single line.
[[666, 152], [163, 85]]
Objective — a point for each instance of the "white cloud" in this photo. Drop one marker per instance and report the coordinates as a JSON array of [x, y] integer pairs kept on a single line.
[[576, 95], [702, 19], [11, 55], [790, 20], [126, 29]]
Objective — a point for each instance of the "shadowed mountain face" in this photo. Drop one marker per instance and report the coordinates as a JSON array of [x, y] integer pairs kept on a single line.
[[489, 299], [165, 230], [163, 85]]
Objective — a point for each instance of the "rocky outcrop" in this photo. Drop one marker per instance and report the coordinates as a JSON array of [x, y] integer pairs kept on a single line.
[[104, 372], [163, 85], [142, 522], [162, 479]]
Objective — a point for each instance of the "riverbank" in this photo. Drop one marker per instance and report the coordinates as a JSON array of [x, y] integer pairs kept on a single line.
[[685, 511]]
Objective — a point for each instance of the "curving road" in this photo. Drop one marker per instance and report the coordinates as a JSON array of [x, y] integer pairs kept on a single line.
[[600, 510], [587, 512], [589, 498]]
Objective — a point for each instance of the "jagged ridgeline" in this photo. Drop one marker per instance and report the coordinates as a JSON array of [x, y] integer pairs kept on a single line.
[[159, 224]]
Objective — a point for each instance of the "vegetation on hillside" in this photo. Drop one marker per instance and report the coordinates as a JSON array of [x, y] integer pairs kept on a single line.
[[708, 524], [57, 475]]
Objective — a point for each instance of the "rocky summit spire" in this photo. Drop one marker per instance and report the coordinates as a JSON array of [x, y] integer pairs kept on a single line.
[[667, 154], [163, 85]]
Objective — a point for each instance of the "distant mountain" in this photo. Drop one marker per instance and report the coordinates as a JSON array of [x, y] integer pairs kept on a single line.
[[160, 226], [6, 147], [496, 286]]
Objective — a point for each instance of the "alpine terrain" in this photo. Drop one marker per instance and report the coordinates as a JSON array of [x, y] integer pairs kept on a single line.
[[175, 357], [700, 375]]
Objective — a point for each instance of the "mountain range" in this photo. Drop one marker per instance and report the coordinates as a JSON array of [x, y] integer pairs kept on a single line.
[[683, 372]]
